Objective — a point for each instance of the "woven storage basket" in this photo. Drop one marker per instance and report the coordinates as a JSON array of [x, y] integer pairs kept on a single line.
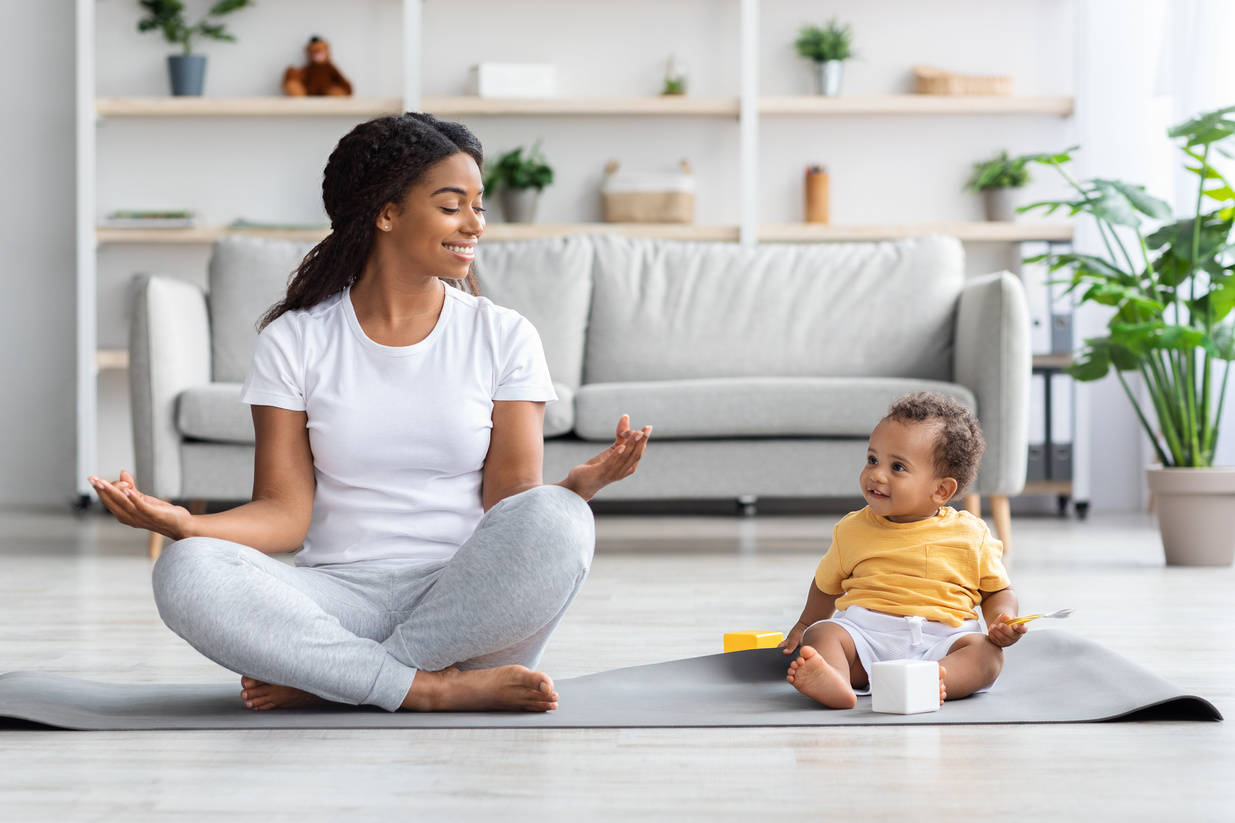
[[648, 198], [937, 81]]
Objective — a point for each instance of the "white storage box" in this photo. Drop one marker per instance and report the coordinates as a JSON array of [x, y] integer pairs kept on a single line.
[[648, 197], [522, 80]]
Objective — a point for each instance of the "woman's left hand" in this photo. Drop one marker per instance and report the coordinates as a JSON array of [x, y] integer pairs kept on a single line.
[[614, 463]]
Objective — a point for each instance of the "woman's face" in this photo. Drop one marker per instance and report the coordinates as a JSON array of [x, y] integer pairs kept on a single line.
[[441, 219]]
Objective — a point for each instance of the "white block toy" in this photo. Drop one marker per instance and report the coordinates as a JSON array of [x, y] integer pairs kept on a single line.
[[905, 686]]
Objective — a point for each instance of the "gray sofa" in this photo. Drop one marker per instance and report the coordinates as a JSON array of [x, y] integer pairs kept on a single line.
[[762, 369]]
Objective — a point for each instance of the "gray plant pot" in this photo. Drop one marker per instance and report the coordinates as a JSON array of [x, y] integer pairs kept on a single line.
[[1196, 514], [828, 75], [519, 205], [187, 73], [998, 204]]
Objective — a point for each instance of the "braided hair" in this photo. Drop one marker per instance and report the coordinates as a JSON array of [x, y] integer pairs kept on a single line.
[[374, 164]]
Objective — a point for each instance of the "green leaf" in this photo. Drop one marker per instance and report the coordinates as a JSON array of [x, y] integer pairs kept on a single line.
[[1109, 203], [1139, 200], [1223, 339], [1202, 129], [1093, 363]]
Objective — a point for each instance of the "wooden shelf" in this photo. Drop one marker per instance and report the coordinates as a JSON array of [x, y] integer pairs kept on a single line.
[[985, 232], [812, 105], [916, 104], [246, 106], [111, 359], [1056, 360], [1055, 487], [442, 106], [792, 233], [201, 234], [658, 231], [670, 105]]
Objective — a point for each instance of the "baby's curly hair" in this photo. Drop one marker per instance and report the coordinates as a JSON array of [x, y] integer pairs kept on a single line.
[[959, 443]]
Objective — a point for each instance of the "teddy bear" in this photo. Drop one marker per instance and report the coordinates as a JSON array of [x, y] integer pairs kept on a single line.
[[318, 77]]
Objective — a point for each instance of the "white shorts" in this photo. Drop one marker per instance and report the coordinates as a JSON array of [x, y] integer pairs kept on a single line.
[[879, 636]]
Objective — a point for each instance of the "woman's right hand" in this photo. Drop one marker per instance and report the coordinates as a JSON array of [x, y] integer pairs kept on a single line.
[[141, 511]]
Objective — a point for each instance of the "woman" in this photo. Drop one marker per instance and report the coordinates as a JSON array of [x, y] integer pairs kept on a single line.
[[398, 421]]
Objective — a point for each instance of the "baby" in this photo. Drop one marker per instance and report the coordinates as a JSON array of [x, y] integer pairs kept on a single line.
[[907, 571]]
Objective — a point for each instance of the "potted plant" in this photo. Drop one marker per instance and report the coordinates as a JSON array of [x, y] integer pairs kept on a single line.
[[519, 178], [828, 47], [995, 179], [1171, 287], [187, 70]]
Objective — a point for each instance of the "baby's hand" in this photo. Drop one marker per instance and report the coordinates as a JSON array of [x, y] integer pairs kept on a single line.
[[793, 639], [1003, 635]]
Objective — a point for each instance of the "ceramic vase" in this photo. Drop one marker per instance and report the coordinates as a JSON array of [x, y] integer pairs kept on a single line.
[[1196, 514], [997, 203], [187, 73], [519, 205], [828, 75]]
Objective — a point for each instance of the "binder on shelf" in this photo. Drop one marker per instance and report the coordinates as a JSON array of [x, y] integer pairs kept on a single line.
[[1061, 332], [1034, 277], [1060, 458], [1037, 466]]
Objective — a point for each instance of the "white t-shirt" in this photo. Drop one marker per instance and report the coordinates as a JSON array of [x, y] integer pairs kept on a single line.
[[399, 434]]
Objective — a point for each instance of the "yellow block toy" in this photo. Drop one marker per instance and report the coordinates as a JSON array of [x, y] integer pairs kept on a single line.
[[740, 641]]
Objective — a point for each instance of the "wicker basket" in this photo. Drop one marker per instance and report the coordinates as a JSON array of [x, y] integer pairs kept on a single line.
[[648, 198], [938, 81]]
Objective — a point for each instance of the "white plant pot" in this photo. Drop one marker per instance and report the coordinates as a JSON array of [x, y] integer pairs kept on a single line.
[[1196, 514], [998, 204], [828, 75], [519, 205]]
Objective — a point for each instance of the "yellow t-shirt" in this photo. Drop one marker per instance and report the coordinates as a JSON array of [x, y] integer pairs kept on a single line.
[[935, 568]]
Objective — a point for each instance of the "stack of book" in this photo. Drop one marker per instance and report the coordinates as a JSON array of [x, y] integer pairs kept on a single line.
[[151, 220]]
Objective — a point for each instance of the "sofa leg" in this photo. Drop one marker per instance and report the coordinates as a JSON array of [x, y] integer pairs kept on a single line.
[[748, 505], [197, 506], [1001, 513], [973, 504], [154, 545]]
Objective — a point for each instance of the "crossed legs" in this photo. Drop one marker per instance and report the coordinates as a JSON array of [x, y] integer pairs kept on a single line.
[[459, 635]]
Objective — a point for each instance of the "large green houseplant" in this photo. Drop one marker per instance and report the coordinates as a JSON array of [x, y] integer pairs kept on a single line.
[[1170, 286]]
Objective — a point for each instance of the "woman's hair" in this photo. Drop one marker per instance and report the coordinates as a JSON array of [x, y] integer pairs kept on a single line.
[[958, 440], [374, 164]]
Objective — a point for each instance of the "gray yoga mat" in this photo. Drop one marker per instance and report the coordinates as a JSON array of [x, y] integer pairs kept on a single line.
[[1049, 677]]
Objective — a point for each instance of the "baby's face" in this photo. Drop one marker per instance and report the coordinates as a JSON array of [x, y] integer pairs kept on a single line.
[[899, 480]]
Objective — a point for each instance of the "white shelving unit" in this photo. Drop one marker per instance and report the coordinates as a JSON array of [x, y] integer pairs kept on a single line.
[[747, 108]]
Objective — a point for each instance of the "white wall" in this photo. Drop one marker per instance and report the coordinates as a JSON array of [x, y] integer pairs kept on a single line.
[[884, 169], [37, 255]]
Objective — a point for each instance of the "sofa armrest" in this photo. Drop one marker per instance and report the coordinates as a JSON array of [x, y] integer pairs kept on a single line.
[[993, 359], [169, 351]]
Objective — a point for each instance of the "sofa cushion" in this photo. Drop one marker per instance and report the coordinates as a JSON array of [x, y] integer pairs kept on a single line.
[[749, 406], [247, 276], [560, 416], [214, 412], [664, 310], [550, 283]]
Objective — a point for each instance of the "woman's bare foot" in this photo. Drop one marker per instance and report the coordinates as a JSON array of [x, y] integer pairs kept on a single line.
[[506, 687], [943, 690], [262, 697], [812, 676]]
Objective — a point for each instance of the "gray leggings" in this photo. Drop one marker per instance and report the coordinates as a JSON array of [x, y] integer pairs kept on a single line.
[[358, 635]]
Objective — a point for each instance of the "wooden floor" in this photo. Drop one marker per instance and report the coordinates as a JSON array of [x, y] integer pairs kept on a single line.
[[75, 599]]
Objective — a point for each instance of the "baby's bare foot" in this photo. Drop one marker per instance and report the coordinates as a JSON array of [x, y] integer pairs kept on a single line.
[[812, 676], [262, 697], [943, 690], [509, 688]]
